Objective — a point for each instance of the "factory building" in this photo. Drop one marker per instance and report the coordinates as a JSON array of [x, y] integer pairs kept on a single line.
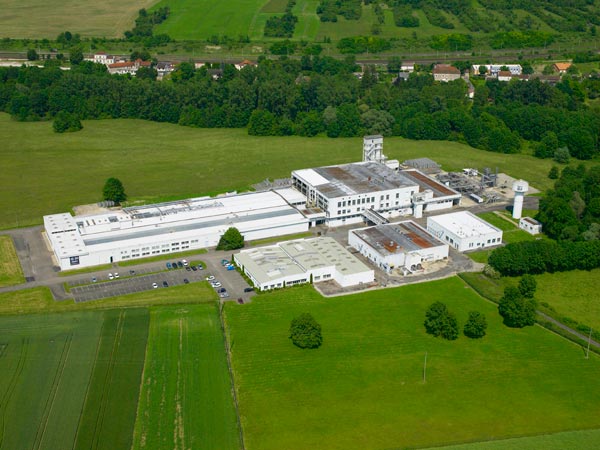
[[402, 246], [302, 261], [530, 225], [143, 231], [346, 193], [464, 231]]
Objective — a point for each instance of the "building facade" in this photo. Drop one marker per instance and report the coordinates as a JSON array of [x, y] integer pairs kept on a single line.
[[464, 231]]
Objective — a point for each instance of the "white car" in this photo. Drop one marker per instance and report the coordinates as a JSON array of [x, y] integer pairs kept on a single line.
[[216, 284], [210, 278], [110, 276], [116, 274], [185, 263], [154, 286]]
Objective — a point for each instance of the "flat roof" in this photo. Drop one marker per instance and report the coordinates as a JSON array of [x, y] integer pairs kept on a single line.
[[402, 237], [291, 195], [464, 224], [297, 257], [355, 178], [425, 182]]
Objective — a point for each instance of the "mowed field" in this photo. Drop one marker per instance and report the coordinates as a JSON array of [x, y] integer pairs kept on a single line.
[[70, 381], [10, 267], [364, 387], [46, 173], [42, 19], [186, 395]]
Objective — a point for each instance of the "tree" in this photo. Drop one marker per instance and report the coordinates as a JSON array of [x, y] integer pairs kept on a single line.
[[554, 173], [76, 56], [305, 332], [527, 286], [66, 122], [232, 239], [114, 190], [32, 55], [516, 310], [476, 325], [562, 155], [441, 322]]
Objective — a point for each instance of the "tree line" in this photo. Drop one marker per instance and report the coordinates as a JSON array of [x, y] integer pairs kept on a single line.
[[320, 94]]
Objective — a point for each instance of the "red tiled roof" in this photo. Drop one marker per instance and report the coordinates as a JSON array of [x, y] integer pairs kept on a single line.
[[446, 69]]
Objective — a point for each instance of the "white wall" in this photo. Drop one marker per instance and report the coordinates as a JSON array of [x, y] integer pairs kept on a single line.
[[463, 244]]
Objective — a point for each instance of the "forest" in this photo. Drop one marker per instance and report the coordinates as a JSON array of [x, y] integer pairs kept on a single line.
[[319, 94]]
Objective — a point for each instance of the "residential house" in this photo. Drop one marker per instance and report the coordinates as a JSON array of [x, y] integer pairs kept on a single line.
[[493, 69], [244, 63], [445, 73], [127, 67], [103, 58], [561, 67], [408, 66], [164, 68], [505, 75]]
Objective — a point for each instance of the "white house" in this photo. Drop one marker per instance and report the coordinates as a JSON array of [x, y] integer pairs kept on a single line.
[[103, 58], [493, 69], [302, 261], [530, 225], [464, 231], [445, 73], [398, 246], [127, 67]]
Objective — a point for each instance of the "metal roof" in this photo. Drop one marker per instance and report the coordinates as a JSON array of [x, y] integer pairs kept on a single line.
[[399, 237]]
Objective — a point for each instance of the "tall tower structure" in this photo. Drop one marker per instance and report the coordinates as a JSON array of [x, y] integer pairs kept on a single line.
[[373, 149], [520, 188]]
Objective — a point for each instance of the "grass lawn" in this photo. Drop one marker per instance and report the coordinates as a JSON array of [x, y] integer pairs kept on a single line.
[[50, 380], [39, 300], [10, 267], [558, 441], [166, 162], [40, 19], [364, 387], [185, 399], [510, 230]]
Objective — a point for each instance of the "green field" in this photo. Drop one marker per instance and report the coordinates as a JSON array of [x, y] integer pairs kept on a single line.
[[364, 387], [510, 230], [41, 19], [10, 268], [50, 379], [39, 300], [559, 441], [185, 400], [172, 162]]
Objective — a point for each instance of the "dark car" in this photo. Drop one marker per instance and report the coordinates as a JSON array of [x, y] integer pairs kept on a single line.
[[194, 268], [249, 289], [132, 272], [186, 281], [222, 290], [169, 266], [188, 268], [165, 284], [179, 264]]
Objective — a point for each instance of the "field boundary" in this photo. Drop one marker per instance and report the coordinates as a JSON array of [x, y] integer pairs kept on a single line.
[[12, 384], [232, 378]]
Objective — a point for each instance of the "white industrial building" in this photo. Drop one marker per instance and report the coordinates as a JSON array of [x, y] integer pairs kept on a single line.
[[400, 246], [493, 69], [349, 193], [464, 231], [302, 261], [142, 231], [530, 225]]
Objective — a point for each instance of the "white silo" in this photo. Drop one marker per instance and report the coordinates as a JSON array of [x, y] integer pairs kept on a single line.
[[520, 188]]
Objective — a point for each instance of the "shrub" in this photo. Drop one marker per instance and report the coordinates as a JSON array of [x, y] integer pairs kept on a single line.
[[441, 322], [476, 325], [305, 332]]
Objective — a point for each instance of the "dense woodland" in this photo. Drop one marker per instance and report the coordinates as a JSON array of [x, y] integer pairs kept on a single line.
[[320, 95]]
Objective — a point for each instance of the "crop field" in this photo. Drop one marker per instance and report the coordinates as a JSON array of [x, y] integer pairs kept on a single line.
[[42, 19], [51, 381], [10, 268], [173, 162], [185, 400], [364, 387]]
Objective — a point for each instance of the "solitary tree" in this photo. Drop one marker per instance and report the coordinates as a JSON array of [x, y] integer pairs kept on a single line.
[[66, 122], [441, 322], [231, 240], [305, 332], [476, 325], [114, 190], [516, 310]]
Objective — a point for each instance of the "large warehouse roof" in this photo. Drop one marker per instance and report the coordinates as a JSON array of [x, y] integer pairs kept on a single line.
[[464, 224], [399, 237]]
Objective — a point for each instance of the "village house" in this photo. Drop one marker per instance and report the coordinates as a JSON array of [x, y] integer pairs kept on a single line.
[[445, 73]]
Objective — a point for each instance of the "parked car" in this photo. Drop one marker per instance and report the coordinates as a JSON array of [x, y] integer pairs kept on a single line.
[[230, 267], [224, 262], [188, 268], [179, 264], [249, 289], [110, 276], [222, 290], [240, 301], [169, 265], [94, 279], [116, 274], [132, 272], [194, 268], [210, 278], [165, 284], [185, 263], [154, 286], [223, 295], [216, 284], [200, 267], [186, 281]]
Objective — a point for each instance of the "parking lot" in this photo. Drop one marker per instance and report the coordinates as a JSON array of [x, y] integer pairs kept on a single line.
[[137, 282]]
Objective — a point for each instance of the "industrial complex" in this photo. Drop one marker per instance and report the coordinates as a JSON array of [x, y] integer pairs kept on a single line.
[[370, 192]]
